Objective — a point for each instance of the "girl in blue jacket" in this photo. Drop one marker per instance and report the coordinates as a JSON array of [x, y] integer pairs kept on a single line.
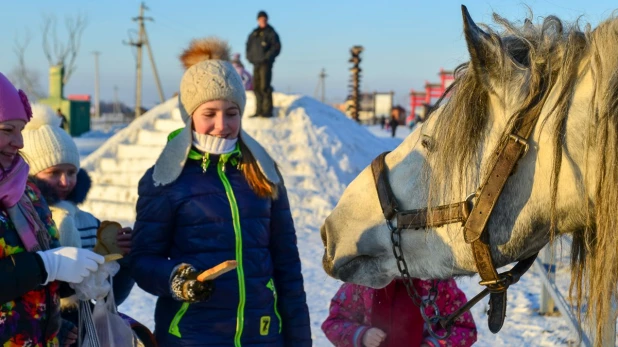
[[213, 195]]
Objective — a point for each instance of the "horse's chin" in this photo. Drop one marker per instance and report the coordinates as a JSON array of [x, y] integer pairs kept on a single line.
[[363, 270]]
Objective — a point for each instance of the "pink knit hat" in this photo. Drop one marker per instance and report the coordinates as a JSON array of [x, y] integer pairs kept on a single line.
[[13, 103]]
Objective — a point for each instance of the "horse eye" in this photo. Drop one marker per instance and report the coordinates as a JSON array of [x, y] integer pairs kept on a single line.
[[427, 143]]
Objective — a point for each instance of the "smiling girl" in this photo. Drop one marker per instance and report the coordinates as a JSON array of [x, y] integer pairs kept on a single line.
[[32, 264], [55, 169], [215, 195]]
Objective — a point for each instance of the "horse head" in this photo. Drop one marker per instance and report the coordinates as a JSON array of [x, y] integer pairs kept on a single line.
[[564, 183]]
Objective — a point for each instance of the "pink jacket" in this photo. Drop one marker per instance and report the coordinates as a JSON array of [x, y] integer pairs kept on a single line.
[[247, 79], [350, 315]]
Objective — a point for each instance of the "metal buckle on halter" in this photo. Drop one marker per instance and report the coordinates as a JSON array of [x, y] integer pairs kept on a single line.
[[493, 282], [500, 285], [467, 206], [521, 141]]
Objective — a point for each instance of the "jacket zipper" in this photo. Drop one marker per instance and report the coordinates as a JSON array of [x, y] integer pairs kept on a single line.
[[173, 329], [271, 286], [205, 162], [240, 318]]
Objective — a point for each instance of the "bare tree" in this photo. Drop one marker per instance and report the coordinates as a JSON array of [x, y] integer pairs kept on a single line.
[[59, 52], [23, 77]]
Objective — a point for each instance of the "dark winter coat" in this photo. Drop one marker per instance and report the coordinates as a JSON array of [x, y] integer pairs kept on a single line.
[[203, 219], [263, 46], [29, 312]]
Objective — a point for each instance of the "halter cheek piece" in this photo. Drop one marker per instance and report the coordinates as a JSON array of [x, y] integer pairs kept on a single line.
[[474, 214]]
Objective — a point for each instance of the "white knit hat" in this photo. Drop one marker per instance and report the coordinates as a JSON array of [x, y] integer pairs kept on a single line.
[[209, 76], [46, 144]]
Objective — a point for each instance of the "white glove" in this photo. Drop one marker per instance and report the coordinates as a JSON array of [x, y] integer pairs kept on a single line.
[[69, 264], [98, 284]]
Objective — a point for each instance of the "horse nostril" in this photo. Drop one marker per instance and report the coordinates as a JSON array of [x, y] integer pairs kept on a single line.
[[323, 234], [327, 261]]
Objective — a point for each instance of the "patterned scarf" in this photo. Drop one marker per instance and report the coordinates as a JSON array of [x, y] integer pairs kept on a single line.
[[15, 201]]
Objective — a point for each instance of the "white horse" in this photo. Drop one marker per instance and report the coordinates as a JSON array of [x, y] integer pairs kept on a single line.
[[566, 183]]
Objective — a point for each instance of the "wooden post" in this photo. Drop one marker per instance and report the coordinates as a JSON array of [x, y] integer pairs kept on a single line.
[[547, 305], [355, 86]]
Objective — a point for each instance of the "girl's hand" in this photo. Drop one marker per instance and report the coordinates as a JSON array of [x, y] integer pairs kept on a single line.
[[67, 335], [71, 338], [373, 337], [123, 238], [185, 286]]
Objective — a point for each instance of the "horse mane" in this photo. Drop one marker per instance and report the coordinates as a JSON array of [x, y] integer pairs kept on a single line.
[[553, 52]]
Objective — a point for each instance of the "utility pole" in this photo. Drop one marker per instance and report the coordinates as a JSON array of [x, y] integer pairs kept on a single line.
[[97, 108], [321, 85], [116, 105], [138, 67], [141, 41]]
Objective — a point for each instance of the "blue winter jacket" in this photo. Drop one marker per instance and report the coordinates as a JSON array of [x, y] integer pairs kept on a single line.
[[203, 219]]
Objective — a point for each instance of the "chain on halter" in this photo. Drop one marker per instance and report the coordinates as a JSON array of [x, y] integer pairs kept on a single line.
[[434, 318]]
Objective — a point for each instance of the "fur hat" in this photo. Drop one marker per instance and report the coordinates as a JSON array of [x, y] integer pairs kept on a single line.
[[209, 76], [46, 144]]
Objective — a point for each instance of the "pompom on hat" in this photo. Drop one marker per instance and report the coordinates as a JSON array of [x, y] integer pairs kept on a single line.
[[209, 76], [14, 103], [46, 144]]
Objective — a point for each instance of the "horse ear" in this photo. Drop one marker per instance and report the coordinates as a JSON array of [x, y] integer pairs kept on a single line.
[[483, 50]]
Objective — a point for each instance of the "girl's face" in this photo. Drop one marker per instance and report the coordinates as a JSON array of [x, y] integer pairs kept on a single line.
[[61, 178], [11, 141], [219, 118]]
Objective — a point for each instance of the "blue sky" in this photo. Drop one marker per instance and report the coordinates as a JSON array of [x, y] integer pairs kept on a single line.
[[406, 42]]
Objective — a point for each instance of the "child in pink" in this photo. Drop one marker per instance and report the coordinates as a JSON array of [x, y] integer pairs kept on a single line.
[[366, 317], [247, 80]]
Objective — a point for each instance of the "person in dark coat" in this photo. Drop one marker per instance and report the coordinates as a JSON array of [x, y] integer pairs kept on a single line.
[[263, 46], [213, 195], [63, 120], [393, 122], [34, 269]]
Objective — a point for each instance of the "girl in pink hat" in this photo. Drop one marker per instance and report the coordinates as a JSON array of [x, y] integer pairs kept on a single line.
[[33, 268]]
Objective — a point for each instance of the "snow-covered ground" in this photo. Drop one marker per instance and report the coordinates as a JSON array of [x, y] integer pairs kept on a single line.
[[320, 151], [401, 133]]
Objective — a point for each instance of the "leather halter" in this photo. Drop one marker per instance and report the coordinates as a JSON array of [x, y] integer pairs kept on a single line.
[[473, 216]]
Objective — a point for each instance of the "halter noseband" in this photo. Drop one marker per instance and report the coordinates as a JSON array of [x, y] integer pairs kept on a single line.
[[473, 213]]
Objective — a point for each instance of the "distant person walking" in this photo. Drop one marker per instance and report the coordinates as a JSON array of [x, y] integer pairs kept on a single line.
[[263, 46], [394, 120], [63, 118]]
